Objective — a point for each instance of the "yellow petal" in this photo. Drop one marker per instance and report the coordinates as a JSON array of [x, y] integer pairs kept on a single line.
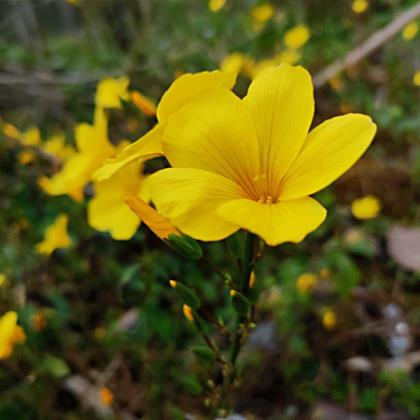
[[189, 86], [144, 104], [146, 147], [282, 106], [7, 327], [107, 211], [160, 226], [367, 207], [330, 150], [56, 236], [288, 221], [214, 133], [189, 197], [296, 37], [110, 92]]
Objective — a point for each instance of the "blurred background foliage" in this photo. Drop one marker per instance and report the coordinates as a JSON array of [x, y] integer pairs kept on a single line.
[[338, 318]]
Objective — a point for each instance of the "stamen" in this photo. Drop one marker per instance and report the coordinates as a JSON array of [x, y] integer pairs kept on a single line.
[[269, 200]]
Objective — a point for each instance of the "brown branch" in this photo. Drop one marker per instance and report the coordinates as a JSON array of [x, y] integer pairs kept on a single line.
[[379, 38]]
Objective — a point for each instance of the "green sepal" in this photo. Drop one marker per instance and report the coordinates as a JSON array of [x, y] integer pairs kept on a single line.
[[185, 246]]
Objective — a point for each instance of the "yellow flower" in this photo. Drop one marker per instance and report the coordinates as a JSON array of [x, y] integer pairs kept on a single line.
[[289, 56], [2, 279], [160, 226], [107, 211], [144, 104], [11, 131], [26, 156], [262, 12], [366, 207], [251, 163], [56, 146], [306, 282], [10, 334], [183, 90], [107, 397], [233, 63], [93, 147], [56, 236], [188, 312], [410, 31], [329, 318], [296, 37], [110, 92], [359, 6], [416, 78], [216, 5], [30, 137]]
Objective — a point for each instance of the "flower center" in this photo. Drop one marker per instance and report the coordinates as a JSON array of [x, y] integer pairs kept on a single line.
[[262, 189]]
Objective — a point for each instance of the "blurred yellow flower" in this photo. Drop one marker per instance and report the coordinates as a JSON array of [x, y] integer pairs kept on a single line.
[[329, 318], [233, 63], [26, 156], [306, 281], [144, 104], [367, 207], [2, 279], [56, 146], [359, 6], [107, 211], [251, 163], [216, 5], [262, 12], [416, 78], [107, 397], [109, 92], [10, 334], [296, 37], [160, 226], [93, 147], [188, 312], [183, 90], [30, 137], [288, 56], [410, 31], [11, 131], [55, 237]]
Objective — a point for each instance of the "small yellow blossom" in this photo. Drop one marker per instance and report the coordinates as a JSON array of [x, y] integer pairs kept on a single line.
[[232, 292], [329, 318], [2, 279], [160, 226], [107, 211], [56, 236], [289, 56], [416, 78], [107, 397], [184, 89], [93, 147], [359, 6], [262, 12], [251, 280], [296, 37], [11, 131], [410, 31], [367, 207], [144, 104], [10, 334], [30, 137], [187, 311], [26, 156], [38, 321], [56, 146], [306, 281], [233, 63], [110, 91], [216, 5], [172, 283]]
